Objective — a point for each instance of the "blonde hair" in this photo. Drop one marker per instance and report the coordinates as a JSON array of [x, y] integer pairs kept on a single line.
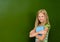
[[46, 15]]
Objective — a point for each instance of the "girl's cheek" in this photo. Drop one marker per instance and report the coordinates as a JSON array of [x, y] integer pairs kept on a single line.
[[38, 18]]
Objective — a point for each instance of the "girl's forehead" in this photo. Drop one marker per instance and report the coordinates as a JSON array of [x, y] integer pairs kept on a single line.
[[40, 14]]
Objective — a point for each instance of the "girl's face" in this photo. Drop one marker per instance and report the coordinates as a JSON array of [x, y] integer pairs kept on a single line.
[[41, 17]]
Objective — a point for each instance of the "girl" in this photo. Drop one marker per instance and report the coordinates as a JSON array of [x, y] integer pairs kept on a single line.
[[42, 26]]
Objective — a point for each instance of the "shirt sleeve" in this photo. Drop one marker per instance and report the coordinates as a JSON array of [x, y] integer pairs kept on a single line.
[[47, 25]]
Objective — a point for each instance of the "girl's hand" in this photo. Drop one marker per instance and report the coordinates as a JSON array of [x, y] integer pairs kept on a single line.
[[31, 33], [34, 34]]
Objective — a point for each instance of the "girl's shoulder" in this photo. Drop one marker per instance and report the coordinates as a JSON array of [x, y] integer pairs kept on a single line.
[[47, 25]]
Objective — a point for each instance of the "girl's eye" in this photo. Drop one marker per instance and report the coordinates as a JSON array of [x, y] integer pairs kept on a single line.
[[38, 16], [42, 16]]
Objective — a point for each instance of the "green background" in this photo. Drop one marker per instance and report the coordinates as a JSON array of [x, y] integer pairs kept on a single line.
[[17, 19]]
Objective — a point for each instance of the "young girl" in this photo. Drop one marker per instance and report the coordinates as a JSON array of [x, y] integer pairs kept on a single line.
[[42, 26]]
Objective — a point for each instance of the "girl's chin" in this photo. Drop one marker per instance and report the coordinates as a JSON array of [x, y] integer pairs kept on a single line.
[[41, 21]]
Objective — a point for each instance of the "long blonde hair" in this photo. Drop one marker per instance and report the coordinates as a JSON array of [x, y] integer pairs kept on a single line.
[[45, 13]]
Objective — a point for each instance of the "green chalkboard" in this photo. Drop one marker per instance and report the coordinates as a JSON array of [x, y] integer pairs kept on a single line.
[[17, 18]]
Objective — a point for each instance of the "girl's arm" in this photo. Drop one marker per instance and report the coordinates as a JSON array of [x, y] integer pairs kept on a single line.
[[47, 27], [44, 31], [44, 34], [40, 37], [33, 33]]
